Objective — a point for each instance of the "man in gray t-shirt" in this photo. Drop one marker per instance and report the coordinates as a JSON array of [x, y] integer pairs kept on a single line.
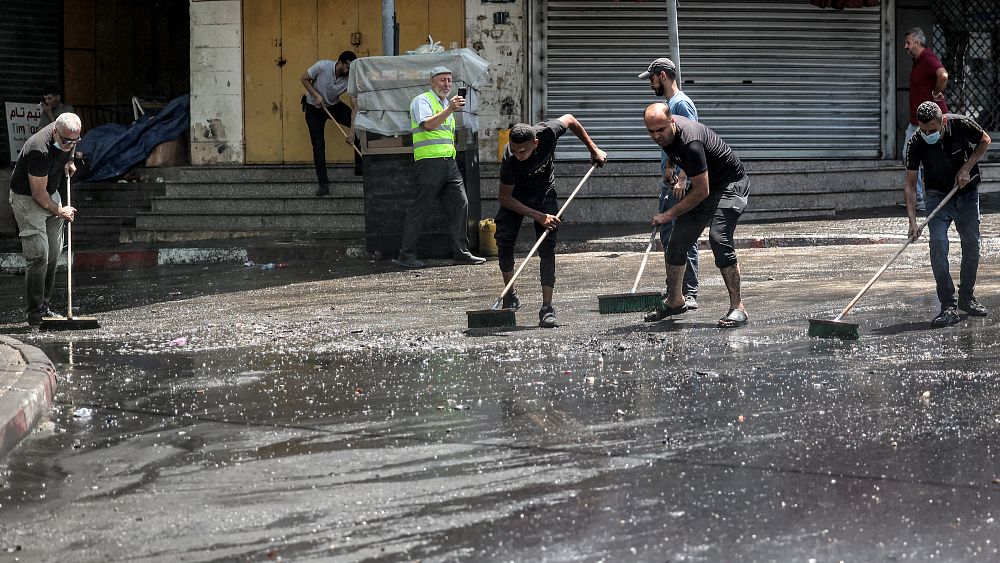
[[325, 81]]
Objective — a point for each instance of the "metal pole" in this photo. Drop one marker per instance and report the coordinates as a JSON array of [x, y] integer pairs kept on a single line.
[[675, 40], [388, 30]]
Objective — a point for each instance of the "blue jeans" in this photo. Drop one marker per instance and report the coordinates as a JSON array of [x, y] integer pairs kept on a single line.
[[963, 209], [691, 271], [910, 130]]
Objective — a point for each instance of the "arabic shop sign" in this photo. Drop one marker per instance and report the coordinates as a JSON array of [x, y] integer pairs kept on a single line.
[[22, 122]]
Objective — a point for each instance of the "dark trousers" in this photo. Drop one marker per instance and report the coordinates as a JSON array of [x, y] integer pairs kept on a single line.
[[316, 120], [437, 178], [963, 210], [667, 201], [720, 215], [509, 224]]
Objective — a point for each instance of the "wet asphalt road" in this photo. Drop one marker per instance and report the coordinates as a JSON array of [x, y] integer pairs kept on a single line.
[[341, 412]]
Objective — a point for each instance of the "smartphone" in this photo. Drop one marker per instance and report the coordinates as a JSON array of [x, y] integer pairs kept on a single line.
[[463, 92]]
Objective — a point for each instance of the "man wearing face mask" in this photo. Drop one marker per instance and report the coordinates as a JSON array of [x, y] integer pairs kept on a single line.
[[949, 147], [43, 163]]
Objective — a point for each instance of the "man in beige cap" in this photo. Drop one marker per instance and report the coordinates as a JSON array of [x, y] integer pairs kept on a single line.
[[432, 122]]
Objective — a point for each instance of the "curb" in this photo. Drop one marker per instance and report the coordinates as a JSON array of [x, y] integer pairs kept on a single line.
[[92, 260], [28, 398]]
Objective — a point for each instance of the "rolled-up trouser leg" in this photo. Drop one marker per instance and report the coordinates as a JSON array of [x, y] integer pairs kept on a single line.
[[720, 236]]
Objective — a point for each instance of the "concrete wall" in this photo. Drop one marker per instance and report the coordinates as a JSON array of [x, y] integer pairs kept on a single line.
[[503, 45], [8, 225], [216, 82]]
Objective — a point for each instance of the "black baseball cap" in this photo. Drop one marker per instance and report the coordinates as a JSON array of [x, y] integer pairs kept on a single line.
[[662, 64]]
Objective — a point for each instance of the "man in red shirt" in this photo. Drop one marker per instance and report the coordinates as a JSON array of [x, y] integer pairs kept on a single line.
[[928, 80]]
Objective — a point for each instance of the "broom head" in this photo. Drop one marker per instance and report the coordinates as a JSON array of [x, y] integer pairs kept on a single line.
[[73, 323], [489, 318], [629, 302], [833, 329]]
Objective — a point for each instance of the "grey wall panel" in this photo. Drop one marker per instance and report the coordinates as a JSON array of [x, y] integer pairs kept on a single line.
[[774, 79]]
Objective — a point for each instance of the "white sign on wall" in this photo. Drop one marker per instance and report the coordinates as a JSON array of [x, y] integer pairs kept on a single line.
[[22, 122]]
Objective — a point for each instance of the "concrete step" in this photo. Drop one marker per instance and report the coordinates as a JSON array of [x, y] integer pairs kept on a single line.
[[260, 190], [245, 174], [321, 246], [247, 223], [259, 206], [752, 215]]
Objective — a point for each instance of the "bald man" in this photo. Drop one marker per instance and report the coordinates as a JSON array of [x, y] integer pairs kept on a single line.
[[717, 195], [43, 163]]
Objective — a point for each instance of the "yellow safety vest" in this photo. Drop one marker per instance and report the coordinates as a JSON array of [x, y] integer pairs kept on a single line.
[[439, 143]]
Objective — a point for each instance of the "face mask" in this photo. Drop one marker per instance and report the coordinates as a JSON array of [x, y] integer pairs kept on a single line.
[[932, 138]]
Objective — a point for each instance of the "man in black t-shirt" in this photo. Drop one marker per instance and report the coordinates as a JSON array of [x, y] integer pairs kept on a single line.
[[527, 189], [44, 161], [716, 198], [949, 147]]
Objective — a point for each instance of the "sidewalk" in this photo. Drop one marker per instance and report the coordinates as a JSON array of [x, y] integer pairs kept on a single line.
[[880, 226], [27, 386]]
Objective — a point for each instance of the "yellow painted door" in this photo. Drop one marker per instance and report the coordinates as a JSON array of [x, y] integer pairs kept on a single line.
[[262, 81], [283, 38]]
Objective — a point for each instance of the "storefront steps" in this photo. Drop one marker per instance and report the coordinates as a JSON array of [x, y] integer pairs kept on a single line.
[[105, 208], [225, 202], [200, 203]]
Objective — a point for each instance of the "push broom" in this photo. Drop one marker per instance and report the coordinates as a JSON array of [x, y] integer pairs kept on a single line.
[[849, 331], [70, 321], [632, 302], [497, 317], [344, 133]]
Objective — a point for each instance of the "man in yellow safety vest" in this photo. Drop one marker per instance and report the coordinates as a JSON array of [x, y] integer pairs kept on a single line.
[[432, 122]]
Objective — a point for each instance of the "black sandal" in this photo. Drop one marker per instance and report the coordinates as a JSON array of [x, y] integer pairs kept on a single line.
[[663, 311], [735, 318]]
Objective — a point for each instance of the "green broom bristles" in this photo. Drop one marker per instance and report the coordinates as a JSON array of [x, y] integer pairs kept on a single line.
[[629, 302], [833, 329], [489, 318]]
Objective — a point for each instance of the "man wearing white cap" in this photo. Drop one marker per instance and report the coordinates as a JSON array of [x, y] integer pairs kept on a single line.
[[433, 125]]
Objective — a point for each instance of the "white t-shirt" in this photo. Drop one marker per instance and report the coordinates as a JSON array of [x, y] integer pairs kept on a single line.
[[326, 82]]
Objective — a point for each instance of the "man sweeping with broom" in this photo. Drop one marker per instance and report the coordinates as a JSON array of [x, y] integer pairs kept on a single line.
[[528, 189], [44, 161], [716, 199], [949, 147]]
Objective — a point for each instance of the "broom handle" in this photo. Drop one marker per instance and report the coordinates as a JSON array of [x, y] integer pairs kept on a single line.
[[649, 247], [538, 242], [341, 130], [69, 254], [896, 255]]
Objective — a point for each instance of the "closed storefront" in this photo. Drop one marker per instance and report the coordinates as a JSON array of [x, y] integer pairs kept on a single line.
[[283, 38], [775, 79], [30, 52]]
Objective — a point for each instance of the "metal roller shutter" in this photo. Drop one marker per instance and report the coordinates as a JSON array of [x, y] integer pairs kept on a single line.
[[30, 52], [775, 79]]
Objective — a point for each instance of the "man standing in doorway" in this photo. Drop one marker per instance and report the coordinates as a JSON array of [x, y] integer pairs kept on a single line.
[[44, 161], [719, 192], [662, 75], [52, 107], [528, 189], [948, 147], [432, 121], [928, 79], [325, 81]]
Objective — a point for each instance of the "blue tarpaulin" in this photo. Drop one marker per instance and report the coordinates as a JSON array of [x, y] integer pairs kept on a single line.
[[112, 150]]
